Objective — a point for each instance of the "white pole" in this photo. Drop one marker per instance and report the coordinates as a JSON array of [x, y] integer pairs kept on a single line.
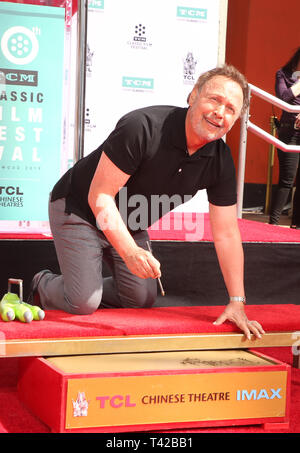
[[242, 163], [80, 79]]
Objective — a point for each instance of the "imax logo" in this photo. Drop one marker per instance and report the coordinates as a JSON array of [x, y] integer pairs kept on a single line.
[[191, 13], [255, 395], [138, 83], [19, 77]]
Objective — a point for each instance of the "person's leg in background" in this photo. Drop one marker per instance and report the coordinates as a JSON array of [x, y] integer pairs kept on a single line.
[[295, 222], [288, 164]]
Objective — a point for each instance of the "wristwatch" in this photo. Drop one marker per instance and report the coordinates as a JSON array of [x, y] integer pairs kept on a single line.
[[237, 299]]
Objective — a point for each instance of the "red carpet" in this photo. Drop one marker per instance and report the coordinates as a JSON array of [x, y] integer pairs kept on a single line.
[[14, 417], [195, 226], [148, 321], [179, 226]]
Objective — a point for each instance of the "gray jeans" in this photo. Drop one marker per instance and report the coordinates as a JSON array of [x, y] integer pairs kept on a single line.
[[81, 249]]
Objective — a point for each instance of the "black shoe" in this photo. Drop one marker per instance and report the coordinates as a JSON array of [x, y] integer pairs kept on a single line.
[[34, 297]]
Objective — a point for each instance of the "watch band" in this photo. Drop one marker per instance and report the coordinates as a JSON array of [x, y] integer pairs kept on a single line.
[[237, 299]]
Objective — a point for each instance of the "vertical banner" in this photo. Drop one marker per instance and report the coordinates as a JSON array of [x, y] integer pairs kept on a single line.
[[31, 100]]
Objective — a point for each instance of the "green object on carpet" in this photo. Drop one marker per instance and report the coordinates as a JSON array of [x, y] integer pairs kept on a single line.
[[11, 308]]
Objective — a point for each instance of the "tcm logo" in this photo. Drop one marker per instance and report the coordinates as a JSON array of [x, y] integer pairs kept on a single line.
[[255, 395], [96, 4], [10, 190], [191, 13], [19, 77], [138, 83], [115, 401], [19, 45]]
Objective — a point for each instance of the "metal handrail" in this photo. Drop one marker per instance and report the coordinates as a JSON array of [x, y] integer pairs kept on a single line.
[[273, 99], [246, 125]]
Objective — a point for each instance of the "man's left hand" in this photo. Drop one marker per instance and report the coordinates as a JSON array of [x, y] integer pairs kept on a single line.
[[234, 312]]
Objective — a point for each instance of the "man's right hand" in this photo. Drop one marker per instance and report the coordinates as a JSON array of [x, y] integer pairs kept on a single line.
[[143, 264]]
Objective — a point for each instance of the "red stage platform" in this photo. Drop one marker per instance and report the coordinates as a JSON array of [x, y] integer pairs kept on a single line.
[[140, 330], [186, 226], [271, 261], [183, 322], [153, 391]]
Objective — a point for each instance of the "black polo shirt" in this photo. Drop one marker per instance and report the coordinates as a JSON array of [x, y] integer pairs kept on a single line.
[[150, 145]]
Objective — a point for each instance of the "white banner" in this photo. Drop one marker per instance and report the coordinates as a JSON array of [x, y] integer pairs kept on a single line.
[[144, 53], [139, 53]]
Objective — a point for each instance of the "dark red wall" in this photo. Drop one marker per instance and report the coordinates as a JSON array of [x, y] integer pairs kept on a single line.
[[261, 37]]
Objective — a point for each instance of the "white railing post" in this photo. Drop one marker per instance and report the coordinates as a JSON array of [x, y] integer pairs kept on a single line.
[[241, 165], [242, 159]]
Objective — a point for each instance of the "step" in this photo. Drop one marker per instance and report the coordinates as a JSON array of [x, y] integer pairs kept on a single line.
[[156, 390]]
